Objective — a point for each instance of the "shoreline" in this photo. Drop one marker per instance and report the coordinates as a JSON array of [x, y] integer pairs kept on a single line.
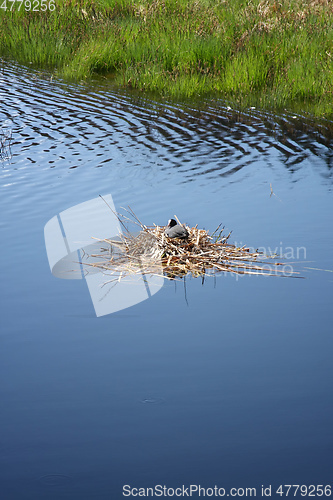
[[266, 54]]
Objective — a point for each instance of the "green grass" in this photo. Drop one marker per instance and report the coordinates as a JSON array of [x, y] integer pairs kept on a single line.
[[272, 54]]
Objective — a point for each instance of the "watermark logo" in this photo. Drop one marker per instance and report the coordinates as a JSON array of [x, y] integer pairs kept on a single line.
[[276, 261], [287, 253], [74, 239]]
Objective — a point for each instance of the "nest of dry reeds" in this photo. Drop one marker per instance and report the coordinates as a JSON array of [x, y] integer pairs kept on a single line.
[[149, 251]]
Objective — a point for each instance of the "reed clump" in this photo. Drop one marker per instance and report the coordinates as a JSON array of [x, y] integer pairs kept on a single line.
[[151, 252], [266, 53], [5, 144]]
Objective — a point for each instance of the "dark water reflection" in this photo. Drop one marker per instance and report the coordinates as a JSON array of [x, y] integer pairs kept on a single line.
[[233, 388], [103, 127]]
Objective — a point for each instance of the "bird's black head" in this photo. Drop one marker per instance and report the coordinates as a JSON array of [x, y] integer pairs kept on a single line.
[[172, 223]]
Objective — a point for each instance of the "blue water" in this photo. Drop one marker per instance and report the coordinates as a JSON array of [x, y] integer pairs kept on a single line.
[[227, 383]]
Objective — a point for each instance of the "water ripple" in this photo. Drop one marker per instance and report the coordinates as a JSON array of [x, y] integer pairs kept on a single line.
[[72, 127]]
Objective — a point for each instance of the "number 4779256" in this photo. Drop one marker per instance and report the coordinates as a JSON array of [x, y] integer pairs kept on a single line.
[[28, 5], [310, 490]]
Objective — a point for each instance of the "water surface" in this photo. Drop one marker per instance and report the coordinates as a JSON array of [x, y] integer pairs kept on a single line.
[[226, 384]]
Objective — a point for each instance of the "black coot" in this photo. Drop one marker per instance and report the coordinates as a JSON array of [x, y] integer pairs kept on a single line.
[[174, 230]]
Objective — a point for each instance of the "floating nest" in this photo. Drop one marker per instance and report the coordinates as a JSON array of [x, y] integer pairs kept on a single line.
[[149, 251]]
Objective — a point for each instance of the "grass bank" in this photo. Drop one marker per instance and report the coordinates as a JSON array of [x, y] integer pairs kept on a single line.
[[272, 54]]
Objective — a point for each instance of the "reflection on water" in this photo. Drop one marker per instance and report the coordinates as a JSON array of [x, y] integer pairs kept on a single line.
[[225, 384], [74, 128]]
